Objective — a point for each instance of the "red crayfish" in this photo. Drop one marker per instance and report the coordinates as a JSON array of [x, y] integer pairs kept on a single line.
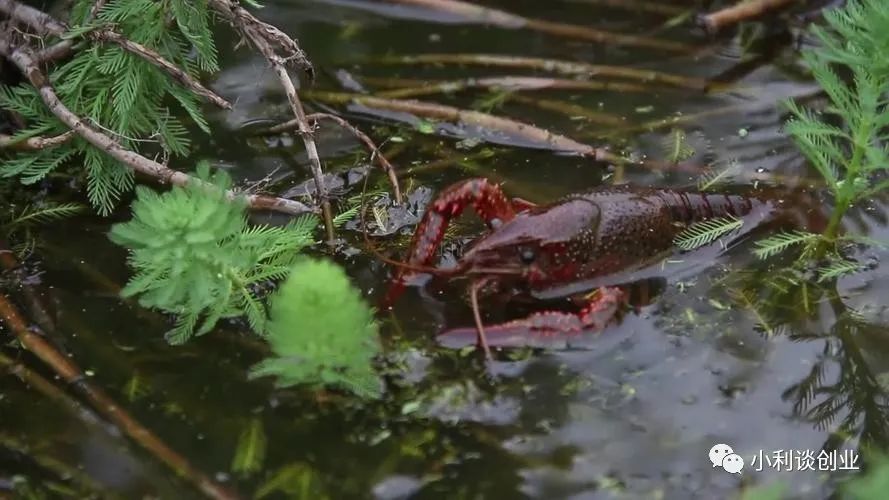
[[564, 249]]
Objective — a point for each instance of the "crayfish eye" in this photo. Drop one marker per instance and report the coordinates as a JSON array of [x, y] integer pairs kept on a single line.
[[527, 255]]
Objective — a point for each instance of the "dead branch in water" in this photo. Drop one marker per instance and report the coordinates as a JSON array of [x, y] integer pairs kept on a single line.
[[280, 51], [503, 19], [554, 66], [45, 24], [376, 154], [534, 135], [23, 58], [571, 110], [71, 374], [742, 11], [415, 88]]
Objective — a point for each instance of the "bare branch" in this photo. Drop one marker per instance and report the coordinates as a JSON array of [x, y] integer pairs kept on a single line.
[[280, 50], [269, 40], [23, 58], [368, 142], [34, 143], [41, 22], [69, 372], [742, 11]]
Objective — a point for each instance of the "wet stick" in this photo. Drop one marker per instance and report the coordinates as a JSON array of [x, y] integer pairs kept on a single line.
[[416, 88], [361, 136], [69, 372], [562, 67], [503, 19], [281, 51], [539, 137], [745, 10]]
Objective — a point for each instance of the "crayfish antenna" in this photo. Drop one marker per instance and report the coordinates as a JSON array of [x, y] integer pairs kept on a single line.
[[479, 326]]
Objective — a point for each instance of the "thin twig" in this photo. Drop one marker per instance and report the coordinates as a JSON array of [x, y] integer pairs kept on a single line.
[[742, 11], [46, 25], [553, 66], [367, 141], [305, 132], [68, 371], [541, 138], [183, 78], [477, 316], [34, 143], [280, 50], [402, 89], [23, 58], [508, 20]]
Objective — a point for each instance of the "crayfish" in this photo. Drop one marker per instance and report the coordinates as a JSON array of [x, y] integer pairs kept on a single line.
[[565, 249]]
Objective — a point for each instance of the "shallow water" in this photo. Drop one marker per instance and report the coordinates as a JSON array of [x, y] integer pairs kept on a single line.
[[629, 413]]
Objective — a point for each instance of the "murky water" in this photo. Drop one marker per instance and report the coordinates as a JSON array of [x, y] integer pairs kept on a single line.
[[631, 413]]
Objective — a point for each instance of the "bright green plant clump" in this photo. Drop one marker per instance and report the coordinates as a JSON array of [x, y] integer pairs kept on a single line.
[[321, 331], [195, 256]]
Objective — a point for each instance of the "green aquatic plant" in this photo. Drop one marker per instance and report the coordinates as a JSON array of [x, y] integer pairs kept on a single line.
[[195, 256], [677, 147], [122, 93], [321, 332], [251, 450], [845, 142], [17, 226], [706, 232]]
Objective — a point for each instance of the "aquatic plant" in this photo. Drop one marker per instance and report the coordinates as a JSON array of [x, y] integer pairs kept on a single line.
[[126, 94], [844, 143], [321, 331], [195, 256]]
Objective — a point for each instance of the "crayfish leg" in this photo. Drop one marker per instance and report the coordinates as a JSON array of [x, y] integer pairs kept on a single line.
[[546, 328], [489, 202]]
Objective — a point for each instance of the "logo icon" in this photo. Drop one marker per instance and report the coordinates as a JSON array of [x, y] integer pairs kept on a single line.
[[722, 455]]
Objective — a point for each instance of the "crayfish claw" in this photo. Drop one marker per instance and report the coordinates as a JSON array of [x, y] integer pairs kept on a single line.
[[548, 329]]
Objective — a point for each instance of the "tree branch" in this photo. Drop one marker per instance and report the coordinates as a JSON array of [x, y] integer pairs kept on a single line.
[[46, 25], [23, 58], [280, 50], [742, 11], [66, 370], [34, 143], [368, 142]]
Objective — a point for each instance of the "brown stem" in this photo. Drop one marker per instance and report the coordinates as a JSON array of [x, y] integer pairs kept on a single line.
[[69, 372], [742, 11], [183, 78], [509, 20], [416, 88], [34, 143], [23, 58], [32, 295], [554, 66], [541, 137], [367, 141], [280, 50], [305, 132], [45, 24]]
